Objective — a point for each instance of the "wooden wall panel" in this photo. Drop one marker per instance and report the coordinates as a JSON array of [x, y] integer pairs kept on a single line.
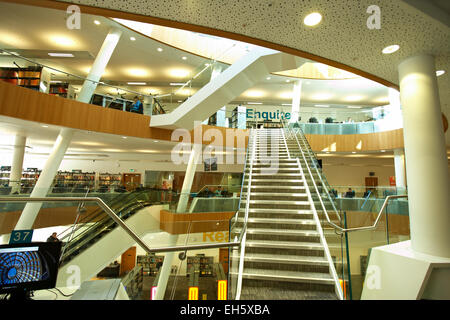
[[182, 223], [26, 104], [386, 140]]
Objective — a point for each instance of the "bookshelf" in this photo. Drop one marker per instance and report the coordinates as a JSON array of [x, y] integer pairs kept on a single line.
[[206, 265], [32, 77], [150, 264], [108, 180], [63, 90], [27, 181]]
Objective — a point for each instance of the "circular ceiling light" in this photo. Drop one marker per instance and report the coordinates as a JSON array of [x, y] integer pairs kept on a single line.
[[160, 49], [440, 73], [97, 22], [184, 58], [391, 49], [133, 39], [312, 19]]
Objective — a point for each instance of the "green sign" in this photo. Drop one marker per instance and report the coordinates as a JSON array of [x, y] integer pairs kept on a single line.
[[21, 236]]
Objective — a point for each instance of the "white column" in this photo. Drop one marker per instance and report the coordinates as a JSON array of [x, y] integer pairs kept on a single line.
[[217, 69], [182, 206], [17, 163], [296, 94], [45, 180], [400, 175], [97, 69], [427, 165]]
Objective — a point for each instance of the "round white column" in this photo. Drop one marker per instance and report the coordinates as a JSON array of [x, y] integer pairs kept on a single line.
[[425, 152], [17, 163], [400, 176], [296, 96]]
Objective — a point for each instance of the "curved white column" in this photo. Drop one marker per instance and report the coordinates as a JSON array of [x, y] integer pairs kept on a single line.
[[45, 180], [426, 159]]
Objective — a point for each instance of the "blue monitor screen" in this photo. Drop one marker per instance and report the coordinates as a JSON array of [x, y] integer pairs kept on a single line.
[[31, 266]]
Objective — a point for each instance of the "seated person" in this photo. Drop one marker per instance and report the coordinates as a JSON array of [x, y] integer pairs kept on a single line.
[[219, 192], [137, 106], [350, 193]]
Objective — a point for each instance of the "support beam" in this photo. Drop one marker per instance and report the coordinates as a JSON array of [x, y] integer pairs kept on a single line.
[[426, 159], [296, 94], [17, 163]]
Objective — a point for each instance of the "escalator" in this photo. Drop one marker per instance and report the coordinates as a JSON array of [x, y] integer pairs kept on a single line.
[[90, 228]]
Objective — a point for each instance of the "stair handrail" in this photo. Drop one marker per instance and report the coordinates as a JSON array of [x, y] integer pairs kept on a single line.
[[122, 224], [312, 178], [247, 205], [321, 235], [339, 228]]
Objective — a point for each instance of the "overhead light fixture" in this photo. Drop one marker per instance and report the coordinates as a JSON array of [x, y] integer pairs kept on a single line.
[[288, 80], [312, 19], [321, 105], [353, 107], [180, 101], [268, 78], [61, 55], [286, 104], [132, 38], [124, 137], [160, 49], [44, 126], [254, 102], [137, 72], [440, 73], [177, 84], [97, 22], [391, 49], [207, 64], [137, 83], [184, 58], [383, 150]]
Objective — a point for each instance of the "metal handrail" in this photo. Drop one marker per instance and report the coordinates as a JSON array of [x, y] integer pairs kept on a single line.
[[321, 180], [247, 206], [339, 228], [122, 224]]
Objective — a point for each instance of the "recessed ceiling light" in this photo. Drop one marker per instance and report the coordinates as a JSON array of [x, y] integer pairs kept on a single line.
[[383, 150], [254, 102], [160, 49], [353, 152], [184, 58], [353, 107], [97, 22], [391, 49], [288, 80], [312, 19], [124, 137], [268, 78], [137, 83], [132, 38], [177, 84], [61, 55], [440, 73], [180, 100], [155, 141], [322, 106], [286, 104], [44, 126]]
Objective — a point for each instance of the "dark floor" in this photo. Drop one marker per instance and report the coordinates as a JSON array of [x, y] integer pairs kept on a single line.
[[208, 290]]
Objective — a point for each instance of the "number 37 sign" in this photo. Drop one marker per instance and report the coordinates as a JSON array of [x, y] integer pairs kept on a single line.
[[21, 236]]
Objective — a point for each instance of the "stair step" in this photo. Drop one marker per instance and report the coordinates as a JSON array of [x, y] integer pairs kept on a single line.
[[287, 259], [287, 232], [284, 244], [284, 275]]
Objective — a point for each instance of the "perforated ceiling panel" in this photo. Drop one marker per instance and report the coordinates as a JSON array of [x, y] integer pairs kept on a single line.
[[342, 36]]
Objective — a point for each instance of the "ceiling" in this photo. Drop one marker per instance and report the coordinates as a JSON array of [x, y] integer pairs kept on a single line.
[[343, 36], [140, 61]]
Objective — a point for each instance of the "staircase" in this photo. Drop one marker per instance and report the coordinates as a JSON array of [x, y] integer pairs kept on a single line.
[[285, 255]]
